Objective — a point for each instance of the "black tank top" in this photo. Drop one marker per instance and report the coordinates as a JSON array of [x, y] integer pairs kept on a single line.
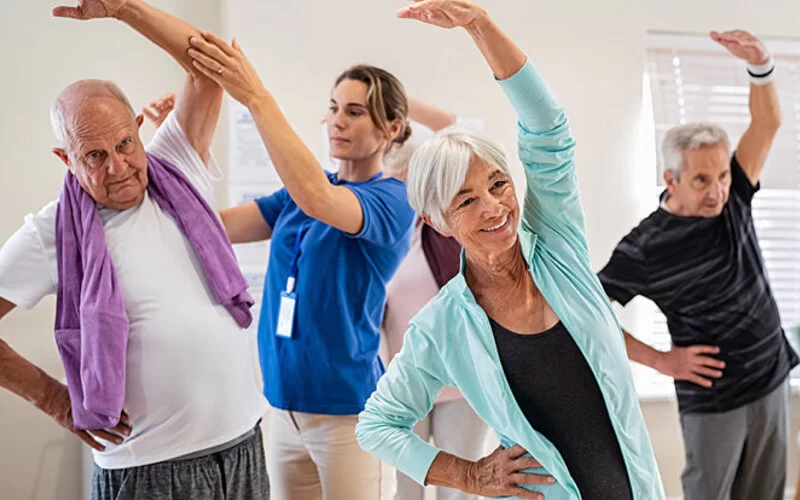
[[558, 394]]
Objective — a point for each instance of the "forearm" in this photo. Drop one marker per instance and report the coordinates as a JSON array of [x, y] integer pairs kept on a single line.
[[642, 353], [245, 224], [166, 31], [501, 53], [404, 396], [431, 116], [538, 110], [299, 170], [448, 471], [547, 151], [23, 378], [765, 107], [197, 111], [765, 120]]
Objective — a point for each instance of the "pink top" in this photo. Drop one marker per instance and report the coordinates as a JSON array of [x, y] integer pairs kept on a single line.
[[411, 288]]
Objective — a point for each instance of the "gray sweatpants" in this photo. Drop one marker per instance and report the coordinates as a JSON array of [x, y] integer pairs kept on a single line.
[[237, 472], [740, 454]]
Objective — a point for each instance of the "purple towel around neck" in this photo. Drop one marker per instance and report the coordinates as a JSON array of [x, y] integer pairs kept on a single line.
[[91, 327]]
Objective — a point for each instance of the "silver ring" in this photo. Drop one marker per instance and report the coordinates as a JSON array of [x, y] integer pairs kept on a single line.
[[219, 71]]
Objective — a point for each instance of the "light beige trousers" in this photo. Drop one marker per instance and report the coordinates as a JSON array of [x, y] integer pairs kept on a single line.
[[317, 457]]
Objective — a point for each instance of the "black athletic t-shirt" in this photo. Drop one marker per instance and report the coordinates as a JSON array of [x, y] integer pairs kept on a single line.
[[707, 276], [559, 395]]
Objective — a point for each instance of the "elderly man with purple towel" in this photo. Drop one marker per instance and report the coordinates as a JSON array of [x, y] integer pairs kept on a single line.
[[151, 304]]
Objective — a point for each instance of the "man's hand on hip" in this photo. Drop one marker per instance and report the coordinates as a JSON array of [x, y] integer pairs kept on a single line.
[[57, 405], [693, 363]]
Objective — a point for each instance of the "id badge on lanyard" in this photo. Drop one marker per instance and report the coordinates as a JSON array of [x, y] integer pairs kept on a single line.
[[286, 312]]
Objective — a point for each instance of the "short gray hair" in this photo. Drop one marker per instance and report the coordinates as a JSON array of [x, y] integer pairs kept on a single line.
[[439, 166], [73, 96], [687, 137]]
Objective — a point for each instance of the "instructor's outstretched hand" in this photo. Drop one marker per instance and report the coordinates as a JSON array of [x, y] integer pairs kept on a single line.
[[227, 65]]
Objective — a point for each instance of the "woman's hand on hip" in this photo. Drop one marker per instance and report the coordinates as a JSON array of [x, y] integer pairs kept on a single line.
[[500, 474], [227, 65]]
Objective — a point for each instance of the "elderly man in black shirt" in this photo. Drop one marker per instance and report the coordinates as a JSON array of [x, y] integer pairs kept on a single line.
[[697, 257]]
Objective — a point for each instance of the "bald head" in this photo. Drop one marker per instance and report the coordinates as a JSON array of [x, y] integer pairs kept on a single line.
[[70, 101], [98, 135]]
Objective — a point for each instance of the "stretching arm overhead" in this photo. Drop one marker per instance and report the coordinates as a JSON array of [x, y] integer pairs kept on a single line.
[[199, 103]]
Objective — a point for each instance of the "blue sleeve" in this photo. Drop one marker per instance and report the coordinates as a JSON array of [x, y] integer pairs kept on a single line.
[[547, 151], [271, 206], [387, 214], [405, 395]]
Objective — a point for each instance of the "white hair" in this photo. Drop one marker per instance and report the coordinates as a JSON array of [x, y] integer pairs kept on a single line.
[[689, 137], [75, 94], [439, 166]]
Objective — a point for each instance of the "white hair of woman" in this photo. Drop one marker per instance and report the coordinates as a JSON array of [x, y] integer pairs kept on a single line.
[[439, 166]]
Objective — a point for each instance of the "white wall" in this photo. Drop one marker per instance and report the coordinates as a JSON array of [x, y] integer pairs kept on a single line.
[[41, 55], [592, 54]]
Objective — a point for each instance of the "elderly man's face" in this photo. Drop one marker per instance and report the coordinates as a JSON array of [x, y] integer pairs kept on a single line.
[[106, 154], [484, 215], [703, 187]]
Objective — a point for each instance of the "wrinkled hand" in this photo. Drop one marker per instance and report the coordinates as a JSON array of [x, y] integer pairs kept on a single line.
[[227, 65], [499, 474], [443, 13], [742, 45], [58, 407], [158, 110], [90, 9], [692, 363]]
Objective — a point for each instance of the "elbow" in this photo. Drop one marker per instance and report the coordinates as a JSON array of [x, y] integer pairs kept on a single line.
[[366, 428], [198, 80], [776, 121], [315, 203], [310, 207], [373, 431]]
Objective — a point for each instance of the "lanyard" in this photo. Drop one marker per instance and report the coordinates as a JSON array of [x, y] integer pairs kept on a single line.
[[301, 232], [296, 259]]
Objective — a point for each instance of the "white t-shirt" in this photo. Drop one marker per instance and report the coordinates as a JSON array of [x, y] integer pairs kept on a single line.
[[191, 382]]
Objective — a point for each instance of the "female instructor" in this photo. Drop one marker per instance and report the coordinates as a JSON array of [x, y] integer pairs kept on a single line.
[[337, 239]]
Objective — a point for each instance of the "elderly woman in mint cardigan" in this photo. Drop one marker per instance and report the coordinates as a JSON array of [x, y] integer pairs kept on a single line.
[[525, 330]]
